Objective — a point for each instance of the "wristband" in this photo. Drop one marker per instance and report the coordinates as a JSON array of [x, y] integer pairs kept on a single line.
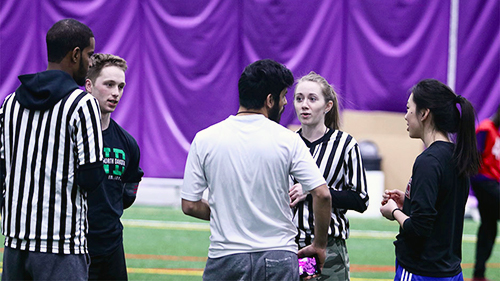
[[392, 213]]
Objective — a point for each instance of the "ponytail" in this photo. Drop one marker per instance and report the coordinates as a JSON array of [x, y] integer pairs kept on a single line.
[[442, 102], [466, 153], [332, 117]]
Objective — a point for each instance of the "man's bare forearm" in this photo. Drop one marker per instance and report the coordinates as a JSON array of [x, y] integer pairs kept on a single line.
[[199, 209], [322, 213]]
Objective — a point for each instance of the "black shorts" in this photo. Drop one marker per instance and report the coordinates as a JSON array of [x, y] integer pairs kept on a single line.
[[109, 267]]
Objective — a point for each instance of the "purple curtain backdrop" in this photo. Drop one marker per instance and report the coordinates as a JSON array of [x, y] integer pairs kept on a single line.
[[185, 57], [478, 63]]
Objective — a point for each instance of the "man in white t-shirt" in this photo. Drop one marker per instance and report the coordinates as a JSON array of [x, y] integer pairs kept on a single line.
[[245, 162]]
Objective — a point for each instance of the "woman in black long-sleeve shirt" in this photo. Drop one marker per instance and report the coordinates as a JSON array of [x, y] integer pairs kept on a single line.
[[431, 211]]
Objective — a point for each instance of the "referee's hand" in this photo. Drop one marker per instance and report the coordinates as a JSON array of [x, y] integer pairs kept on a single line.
[[296, 194]]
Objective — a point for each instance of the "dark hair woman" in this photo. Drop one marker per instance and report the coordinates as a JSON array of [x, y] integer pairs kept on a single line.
[[431, 211]]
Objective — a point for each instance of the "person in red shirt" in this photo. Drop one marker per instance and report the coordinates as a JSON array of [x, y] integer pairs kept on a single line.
[[487, 190]]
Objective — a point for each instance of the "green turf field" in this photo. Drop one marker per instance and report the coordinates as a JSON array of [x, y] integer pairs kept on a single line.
[[163, 244]]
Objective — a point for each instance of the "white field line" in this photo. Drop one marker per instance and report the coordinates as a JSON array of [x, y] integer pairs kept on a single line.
[[201, 226], [167, 224]]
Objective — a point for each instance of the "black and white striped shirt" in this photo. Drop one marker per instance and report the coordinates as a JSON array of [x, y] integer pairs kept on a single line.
[[339, 159], [44, 209]]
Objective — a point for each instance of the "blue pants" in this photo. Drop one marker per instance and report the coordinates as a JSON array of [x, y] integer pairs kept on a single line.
[[403, 275]]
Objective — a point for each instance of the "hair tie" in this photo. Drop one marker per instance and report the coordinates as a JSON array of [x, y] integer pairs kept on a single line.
[[458, 98]]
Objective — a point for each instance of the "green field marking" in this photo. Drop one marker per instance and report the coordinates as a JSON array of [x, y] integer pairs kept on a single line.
[[166, 224], [167, 271]]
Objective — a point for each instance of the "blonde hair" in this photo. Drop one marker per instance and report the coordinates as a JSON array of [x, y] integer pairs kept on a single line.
[[332, 117]]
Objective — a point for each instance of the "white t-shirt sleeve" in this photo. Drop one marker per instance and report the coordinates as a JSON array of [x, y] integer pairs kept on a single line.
[[303, 167], [195, 182]]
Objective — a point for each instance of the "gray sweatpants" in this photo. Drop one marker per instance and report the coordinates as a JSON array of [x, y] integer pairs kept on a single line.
[[268, 265], [26, 265]]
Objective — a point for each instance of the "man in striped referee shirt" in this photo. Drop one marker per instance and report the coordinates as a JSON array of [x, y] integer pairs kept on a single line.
[[51, 156]]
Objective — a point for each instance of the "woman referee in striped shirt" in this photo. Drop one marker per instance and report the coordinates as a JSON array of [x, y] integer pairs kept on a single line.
[[338, 157]]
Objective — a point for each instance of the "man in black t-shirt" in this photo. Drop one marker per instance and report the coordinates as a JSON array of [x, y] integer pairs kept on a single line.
[[105, 81]]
